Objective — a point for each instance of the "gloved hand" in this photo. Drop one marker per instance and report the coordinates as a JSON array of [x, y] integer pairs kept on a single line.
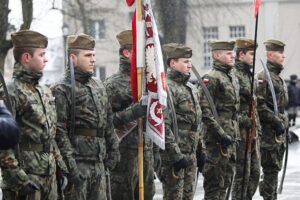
[[280, 128], [76, 177], [226, 140], [9, 134], [181, 164], [201, 158], [139, 110], [30, 188], [157, 160]]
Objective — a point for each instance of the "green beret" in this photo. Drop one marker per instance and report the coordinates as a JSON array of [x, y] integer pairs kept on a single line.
[[81, 41], [245, 43], [175, 50], [274, 45], [221, 45], [125, 38], [30, 39]]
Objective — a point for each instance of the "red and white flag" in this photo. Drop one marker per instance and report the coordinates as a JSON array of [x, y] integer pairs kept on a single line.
[[154, 85]]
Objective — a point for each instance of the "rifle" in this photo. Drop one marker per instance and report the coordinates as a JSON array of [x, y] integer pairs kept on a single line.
[[251, 133]]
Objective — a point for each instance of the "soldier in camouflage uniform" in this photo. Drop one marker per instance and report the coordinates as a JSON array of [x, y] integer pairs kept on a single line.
[[124, 178], [219, 138], [93, 141], [29, 170], [179, 162], [273, 127], [244, 60]]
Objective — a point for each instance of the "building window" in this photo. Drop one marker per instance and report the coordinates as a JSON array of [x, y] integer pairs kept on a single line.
[[97, 29], [237, 31], [100, 73], [209, 33]]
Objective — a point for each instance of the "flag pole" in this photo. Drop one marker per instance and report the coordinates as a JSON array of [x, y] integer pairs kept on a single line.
[[140, 45]]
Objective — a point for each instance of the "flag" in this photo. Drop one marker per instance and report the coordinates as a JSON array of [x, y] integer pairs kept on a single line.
[[155, 80], [154, 85], [256, 5]]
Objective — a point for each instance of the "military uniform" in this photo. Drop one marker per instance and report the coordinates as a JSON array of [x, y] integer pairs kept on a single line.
[[252, 169], [219, 138], [93, 141], [272, 141], [29, 170], [180, 184], [124, 178]]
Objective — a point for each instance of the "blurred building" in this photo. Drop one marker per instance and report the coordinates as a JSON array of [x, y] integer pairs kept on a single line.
[[206, 20]]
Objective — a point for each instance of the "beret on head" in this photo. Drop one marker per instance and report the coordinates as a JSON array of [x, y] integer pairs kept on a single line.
[[81, 41], [124, 38], [29, 39], [245, 43], [221, 45], [274, 45], [175, 50]]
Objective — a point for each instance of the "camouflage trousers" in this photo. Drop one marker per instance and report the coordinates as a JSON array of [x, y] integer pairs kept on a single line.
[[94, 185], [182, 185], [218, 172], [271, 162], [48, 192], [252, 172], [124, 178]]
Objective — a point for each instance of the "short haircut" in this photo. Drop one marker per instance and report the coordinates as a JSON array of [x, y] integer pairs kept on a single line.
[[73, 51], [127, 46], [169, 60], [19, 51], [238, 51]]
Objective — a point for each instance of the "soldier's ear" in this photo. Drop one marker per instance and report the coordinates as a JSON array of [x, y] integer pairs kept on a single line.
[[25, 57], [126, 53]]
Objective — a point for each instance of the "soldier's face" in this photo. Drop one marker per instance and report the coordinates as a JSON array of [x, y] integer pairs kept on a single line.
[[225, 56], [37, 62], [276, 57], [85, 60], [247, 57], [183, 65]]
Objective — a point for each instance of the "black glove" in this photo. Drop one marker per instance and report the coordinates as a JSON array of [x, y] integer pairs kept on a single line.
[[201, 158], [9, 134], [138, 110], [280, 129], [181, 164], [30, 188], [226, 140], [157, 160], [76, 177]]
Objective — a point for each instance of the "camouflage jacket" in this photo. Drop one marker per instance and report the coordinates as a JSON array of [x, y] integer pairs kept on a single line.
[[34, 110], [244, 75], [224, 89], [119, 92], [265, 103], [185, 97], [92, 112]]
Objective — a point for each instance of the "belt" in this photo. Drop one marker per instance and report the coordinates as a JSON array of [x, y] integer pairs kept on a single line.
[[228, 114], [47, 148], [184, 126], [89, 132]]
